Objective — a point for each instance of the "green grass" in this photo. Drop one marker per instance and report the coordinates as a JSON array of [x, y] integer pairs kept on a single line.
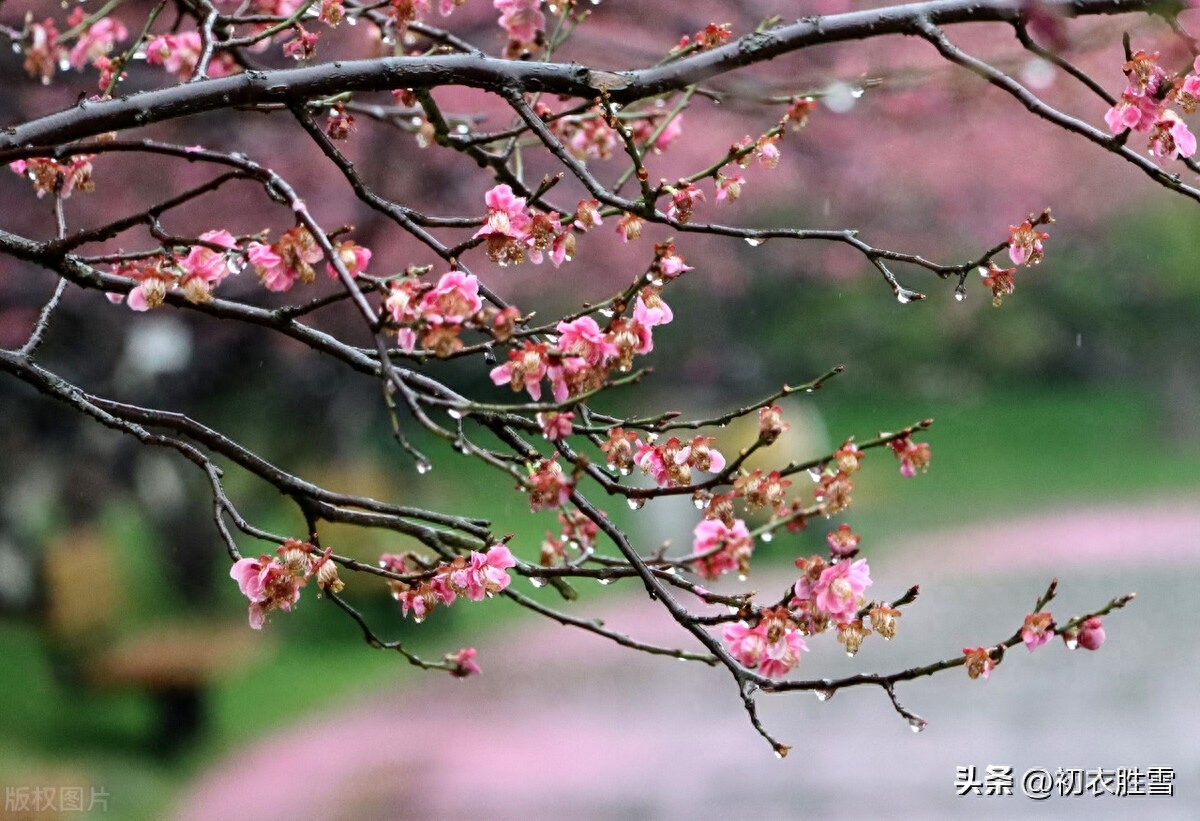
[[995, 457]]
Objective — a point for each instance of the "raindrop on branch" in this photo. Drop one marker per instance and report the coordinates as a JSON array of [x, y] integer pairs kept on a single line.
[[917, 724]]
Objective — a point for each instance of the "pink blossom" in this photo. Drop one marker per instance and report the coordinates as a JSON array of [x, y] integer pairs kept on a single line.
[[1137, 113], [582, 337], [979, 662], [1091, 634], [843, 542], [549, 486], [683, 202], [268, 583], [303, 46], [485, 573], [522, 19], [674, 129], [270, 267], [746, 644], [97, 41], [453, 300], [464, 659], [1037, 630], [653, 313], [523, 370], [568, 377], [782, 654], [729, 188], [839, 589], [1170, 137], [671, 265], [354, 256], [555, 426], [723, 548]]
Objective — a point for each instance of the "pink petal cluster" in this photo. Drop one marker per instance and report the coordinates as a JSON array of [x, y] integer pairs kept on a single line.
[[99, 39], [549, 485], [1037, 630], [463, 662], [913, 456], [475, 577], [180, 54], [1091, 634], [720, 548], [838, 591], [274, 582], [773, 646], [671, 463], [282, 263], [522, 20], [45, 174], [1144, 105], [196, 273]]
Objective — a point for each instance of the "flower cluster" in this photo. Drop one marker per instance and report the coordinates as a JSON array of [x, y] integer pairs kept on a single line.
[[180, 55], [719, 547], [979, 661], [513, 232], [580, 358], [913, 456], [549, 485], [1037, 630], [435, 316], [1143, 106], [773, 646], [524, 23], [196, 274], [671, 463], [476, 577], [64, 176], [274, 582]]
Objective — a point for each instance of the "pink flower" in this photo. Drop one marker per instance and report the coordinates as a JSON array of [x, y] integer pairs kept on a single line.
[[97, 41], [773, 646], [523, 370], [453, 300], [303, 46], [353, 256], [485, 573], [683, 203], [721, 548], [522, 19], [843, 542], [729, 188], [839, 589], [1137, 113], [670, 265], [549, 486], [555, 426], [1091, 634], [701, 455], [272, 583], [913, 456], [270, 267], [582, 337], [1037, 630], [650, 310], [1170, 137], [979, 662], [464, 659]]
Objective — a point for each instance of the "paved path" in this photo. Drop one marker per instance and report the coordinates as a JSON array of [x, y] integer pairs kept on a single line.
[[564, 726]]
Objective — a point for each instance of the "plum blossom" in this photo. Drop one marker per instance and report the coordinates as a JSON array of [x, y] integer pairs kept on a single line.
[[1091, 634], [1170, 137], [507, 226], [99, 39], [353, 256], [913, 456], [1025, 244], [721, 548], [1000, 280], [485, 573], [523, 370], [453, 300], [582, 337], [203, 268], [180, 54], [629, 227], [463, 663], [523, 21], [46, 174], [274, 582], [838, 591], [549, 486], [773, 645], [1037, 630], [555, 426], [979, 662], [843, 542], [683, 202]]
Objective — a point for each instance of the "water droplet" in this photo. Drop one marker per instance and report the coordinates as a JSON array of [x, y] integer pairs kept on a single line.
[[424, 466], [606, 580], [418, 619], [1072, 643], [16, 47], [767, 536], [64, 64], [351, 20], [652, 438], [537, 581], [624, 471], [461, 128], [754, 242], [960, 292], [606, 312], [917, 724], [653, 280], [234, 264], [454, 413], [742, 577], [904, 296], [824, 695], [699, 502], [814, 474], [635, 504], [779, 753], [489, 356]]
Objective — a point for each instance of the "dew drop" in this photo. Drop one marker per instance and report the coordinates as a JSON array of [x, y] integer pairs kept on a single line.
[[606, 581], [537, 581], [453, 413], [489, 356], [64, 64], [824, 695], [904, 296], [624, 471], [234, 264], [351, 20], [418, 619], [754, 242], [1072, 643], [814, 474], [699, 502], [780, 753], [653, 280], [960, 293], [636, 504], [917, 724], [461, 128], [606, 312], [16, 47], [767, 536], [424, 466], [742, 577]]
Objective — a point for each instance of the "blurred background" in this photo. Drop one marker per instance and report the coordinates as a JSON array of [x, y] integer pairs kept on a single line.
[[1066, 443]]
